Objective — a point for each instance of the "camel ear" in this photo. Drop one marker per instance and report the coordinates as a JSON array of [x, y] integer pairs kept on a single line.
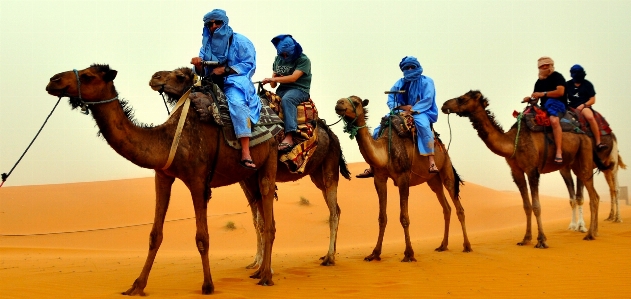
[[365, 103], [110, 75]]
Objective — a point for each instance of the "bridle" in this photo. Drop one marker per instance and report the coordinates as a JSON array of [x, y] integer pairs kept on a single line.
[[84, 104], [349, 127]]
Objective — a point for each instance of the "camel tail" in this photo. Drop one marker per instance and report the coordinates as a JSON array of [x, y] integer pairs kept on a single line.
[[336, 146], [457, 182], [599, 163], [620, 163]]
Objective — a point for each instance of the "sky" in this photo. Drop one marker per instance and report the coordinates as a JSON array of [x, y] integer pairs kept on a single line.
[[354, 47]]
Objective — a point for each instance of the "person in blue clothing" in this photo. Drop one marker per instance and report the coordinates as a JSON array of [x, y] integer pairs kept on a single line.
[[418, 100], [237, 58], [292, 70], [581, 96]]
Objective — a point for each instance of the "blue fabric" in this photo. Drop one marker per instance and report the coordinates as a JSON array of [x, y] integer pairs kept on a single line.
[[577, 73], [425, 136], [291, 98], [218, 41], [554, 107], [285, 43], [240, 112]]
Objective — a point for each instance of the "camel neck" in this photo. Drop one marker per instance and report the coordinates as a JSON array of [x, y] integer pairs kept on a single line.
[[374, 152], [141, 146], [492, 135]]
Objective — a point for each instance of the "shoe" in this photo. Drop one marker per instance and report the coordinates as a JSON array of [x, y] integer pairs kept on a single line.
[[433, 169], [558, 160], [366, 174], [245, 163], [601, 146], [285, 147]]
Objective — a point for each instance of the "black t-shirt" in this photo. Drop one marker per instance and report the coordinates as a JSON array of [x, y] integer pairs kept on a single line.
[[579, 95], [549, 84]]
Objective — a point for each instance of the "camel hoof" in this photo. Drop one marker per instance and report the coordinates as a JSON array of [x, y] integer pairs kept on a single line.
[[408, 259], [135, 290], [253, 265], [327, 261], [372, 257], [523, 243], [589, 237], [541, 245], [467, 249], [441, 249], [208, 288], [266, 282]]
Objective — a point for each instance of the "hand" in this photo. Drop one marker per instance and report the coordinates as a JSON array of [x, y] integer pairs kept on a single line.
[[537, 95], [267, 80], [219, 70], [196, 61], [406, 107], [526, 100]]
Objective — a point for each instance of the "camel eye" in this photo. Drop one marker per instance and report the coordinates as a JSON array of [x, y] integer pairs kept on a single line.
[[86, 77]]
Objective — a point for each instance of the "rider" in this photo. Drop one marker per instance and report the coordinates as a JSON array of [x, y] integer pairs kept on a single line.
[[237, 59], [581, 95], [418, 100], [550, 89], [292, 70]]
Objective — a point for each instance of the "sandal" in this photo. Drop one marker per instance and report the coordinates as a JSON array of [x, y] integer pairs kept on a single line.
[[601, 146], [366, 174], [247, 164], [285, 147], [558, 160], [433, 168]]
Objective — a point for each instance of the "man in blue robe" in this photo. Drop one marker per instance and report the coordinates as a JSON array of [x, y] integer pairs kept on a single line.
[[237, 63], [418, 100]]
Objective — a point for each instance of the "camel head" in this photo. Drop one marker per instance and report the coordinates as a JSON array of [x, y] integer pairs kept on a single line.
[[465, 104], [96, 83], [174, 83], [352, 108]]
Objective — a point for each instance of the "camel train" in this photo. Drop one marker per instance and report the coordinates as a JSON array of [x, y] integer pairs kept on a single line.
[[191, 150]]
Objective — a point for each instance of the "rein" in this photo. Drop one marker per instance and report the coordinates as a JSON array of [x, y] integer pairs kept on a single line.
[[521, 114], [84, 105]]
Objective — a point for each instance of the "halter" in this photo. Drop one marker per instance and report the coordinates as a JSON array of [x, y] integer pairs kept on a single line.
[[349, 126], [84, 105]]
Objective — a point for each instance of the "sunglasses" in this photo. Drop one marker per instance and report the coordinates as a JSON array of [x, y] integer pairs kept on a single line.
[[217, 22], [411, 67]]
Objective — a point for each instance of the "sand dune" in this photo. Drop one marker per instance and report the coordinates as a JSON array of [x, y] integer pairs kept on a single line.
[[89, 240]]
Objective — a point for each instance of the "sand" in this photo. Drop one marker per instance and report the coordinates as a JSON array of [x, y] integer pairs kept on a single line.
[[90, 240]]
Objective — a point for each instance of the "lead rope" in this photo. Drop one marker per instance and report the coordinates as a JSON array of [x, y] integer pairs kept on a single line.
[[521, 114], [5, 176]]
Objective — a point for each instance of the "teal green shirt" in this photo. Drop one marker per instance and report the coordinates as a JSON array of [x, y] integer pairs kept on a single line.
[[283, 68]]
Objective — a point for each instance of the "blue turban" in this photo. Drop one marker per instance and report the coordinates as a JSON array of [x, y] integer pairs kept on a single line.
[[413, 76], [285, 43], [219, 39], [577, 73]]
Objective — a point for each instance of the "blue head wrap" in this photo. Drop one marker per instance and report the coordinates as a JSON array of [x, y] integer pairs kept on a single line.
[[577, 73], [413, 77], [285, 43], [219, 39]]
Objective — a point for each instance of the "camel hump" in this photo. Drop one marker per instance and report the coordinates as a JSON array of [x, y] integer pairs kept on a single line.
[[403, 125]]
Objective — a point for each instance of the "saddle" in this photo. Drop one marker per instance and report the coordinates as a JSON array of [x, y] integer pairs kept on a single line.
[[536, 119], [600, 120], [402, 124], [211, 105], [305, 144]]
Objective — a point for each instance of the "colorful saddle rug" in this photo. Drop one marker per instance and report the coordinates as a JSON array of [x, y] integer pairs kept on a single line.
[[211, 104], [537, 120], [402, 124], [605, 129]]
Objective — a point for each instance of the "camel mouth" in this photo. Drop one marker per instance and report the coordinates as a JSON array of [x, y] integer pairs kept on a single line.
[[340, 111], [56, 91]]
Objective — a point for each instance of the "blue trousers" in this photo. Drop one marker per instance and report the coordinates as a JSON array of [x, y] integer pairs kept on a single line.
[[425, 136], [291, 98]]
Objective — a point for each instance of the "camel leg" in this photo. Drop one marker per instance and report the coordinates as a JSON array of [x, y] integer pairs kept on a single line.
[[583, 170], [404, 216], [580, 199], [520, 181], [326, 179], [436, 185], [450, 184], [566, 174], [382, 189], [533, 181], [258, 227], [202, 239], [611, 176], [163, 185]]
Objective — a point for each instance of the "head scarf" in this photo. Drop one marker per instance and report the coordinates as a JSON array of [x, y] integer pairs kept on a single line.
[[219, 39], [578, 73], [413, 76], [285, 43], [545, 73]]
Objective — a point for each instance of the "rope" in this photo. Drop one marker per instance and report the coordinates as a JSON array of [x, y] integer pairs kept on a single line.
[[521, 114], [449, 125], [180, 125], [108, 228], [6, 175]]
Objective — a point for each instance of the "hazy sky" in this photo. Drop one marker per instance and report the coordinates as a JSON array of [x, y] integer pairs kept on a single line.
[[354, 46]]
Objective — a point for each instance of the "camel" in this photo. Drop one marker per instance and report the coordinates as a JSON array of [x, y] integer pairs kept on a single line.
[[323, 166], [526, 155], [406, 167], [200, 162]]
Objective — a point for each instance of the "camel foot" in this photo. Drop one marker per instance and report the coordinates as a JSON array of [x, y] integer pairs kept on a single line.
[[610, 218], [254, 265], [589, 237], [135, 290], [408, 259], [523, 243], [541, 245], [467, 248], [208, 288], [372, 257], [266, 282], [327, 260]]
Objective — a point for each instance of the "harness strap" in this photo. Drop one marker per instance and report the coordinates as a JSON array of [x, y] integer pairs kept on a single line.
[[186, 102]]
